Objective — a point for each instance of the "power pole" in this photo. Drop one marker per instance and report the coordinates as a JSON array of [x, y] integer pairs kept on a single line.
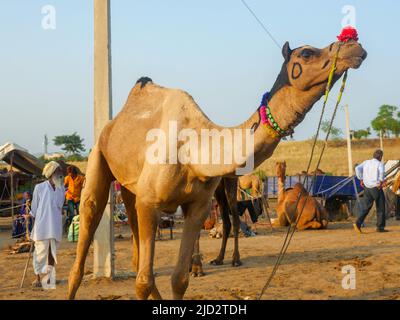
[[381, 139], [103, 243], [348, 136], [45, 144]]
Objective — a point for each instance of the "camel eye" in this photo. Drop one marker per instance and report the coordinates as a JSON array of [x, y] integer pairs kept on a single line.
[[307, 53]]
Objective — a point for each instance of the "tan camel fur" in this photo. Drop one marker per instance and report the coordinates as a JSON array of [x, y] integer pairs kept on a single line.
[[252, 182], [313, 216], [120, 154]]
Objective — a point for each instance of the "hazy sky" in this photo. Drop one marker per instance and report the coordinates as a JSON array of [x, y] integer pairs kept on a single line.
[[215, 50]]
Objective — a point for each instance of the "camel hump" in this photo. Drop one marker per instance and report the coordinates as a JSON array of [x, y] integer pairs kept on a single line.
[[143, 81]]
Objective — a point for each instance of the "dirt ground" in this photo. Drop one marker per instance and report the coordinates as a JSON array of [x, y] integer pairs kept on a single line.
[[311, 269]]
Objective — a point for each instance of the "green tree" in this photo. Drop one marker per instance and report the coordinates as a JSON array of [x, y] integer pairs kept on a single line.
[[335, 133], [387, 121], [361, 134], [73, 144]]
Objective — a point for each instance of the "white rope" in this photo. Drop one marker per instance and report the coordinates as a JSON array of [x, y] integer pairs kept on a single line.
[[337, 186], [14, 207]]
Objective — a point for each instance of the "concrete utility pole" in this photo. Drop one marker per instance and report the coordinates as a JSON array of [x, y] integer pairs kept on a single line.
[[348, 136], [381, 139], [45, 144], [104, 237]]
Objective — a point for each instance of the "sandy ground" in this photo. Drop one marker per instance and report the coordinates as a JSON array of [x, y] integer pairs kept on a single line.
[[311, 269]]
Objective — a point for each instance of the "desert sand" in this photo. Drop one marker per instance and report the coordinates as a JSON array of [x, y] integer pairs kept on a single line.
[[311, 269]]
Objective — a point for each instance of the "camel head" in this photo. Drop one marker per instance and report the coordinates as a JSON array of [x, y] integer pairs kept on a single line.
[[308, 67], [304, 76], [280, 169]]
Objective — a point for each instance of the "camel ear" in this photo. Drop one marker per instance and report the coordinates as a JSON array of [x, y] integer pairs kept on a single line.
[[286, 51]]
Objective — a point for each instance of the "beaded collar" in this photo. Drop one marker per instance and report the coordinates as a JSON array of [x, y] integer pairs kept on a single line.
[[268, 120]]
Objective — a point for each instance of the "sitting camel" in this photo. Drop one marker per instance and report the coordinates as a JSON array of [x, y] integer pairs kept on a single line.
[[313, 216], [127, 148]]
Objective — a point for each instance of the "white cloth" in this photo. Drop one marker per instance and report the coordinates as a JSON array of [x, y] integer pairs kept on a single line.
[[46, 208], [41, 254], [40, 262], [49, 169], [372, 172]]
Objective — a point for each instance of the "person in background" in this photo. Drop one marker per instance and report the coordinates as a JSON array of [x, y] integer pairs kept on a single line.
[[372, 176], [396, 191], [74, 184], [46, 209], [23, 219]]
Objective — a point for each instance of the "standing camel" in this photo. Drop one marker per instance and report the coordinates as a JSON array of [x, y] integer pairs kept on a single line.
[[227, 195], [313, 214], [126, 149]]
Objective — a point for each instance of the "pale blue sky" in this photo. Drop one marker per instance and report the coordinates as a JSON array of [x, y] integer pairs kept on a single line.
[[215, 50]]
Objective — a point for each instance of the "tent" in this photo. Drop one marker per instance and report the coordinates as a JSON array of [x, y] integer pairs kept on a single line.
[[21, 159], [29, 168], [392, 167]]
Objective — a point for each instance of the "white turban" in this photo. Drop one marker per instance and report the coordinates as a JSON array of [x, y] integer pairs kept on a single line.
[[50, 168]]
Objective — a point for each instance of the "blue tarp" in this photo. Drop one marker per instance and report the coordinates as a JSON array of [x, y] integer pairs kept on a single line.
[[324, 186], [328, 186]]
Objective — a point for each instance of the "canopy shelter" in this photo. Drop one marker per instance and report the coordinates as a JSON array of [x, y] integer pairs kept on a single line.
[[29, 168], [21, 159], [392, 167]]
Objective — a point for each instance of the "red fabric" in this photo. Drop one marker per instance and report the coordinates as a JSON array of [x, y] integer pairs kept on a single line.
[[348, 33], [117, 186]]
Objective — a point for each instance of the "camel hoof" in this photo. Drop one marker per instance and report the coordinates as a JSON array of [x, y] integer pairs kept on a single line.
[[197, 274], [217, 262], [236, 263]]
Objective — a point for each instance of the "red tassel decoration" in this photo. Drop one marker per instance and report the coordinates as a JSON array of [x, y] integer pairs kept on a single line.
[[348, 33]]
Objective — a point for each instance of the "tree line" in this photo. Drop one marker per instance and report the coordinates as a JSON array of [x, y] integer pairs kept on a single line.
[[387, 121]]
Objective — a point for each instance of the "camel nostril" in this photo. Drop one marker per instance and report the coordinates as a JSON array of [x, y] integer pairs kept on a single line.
[[364, 56]]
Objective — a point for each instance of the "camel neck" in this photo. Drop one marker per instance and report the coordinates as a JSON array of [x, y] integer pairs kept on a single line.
[[281, 188], [288, 107]]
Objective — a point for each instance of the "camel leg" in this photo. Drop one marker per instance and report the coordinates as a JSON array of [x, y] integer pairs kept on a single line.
[[230, 192], [197, 266], [309, 225], [226, 222], [148, 220], [93, 201], [195, 216], [129, 201]]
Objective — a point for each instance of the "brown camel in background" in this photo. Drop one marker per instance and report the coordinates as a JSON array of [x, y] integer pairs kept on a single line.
[[227, 200], [122, 153], [249, 182], [313, 216]]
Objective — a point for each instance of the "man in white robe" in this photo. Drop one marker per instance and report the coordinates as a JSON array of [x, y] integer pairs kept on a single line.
[[47, 202]]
